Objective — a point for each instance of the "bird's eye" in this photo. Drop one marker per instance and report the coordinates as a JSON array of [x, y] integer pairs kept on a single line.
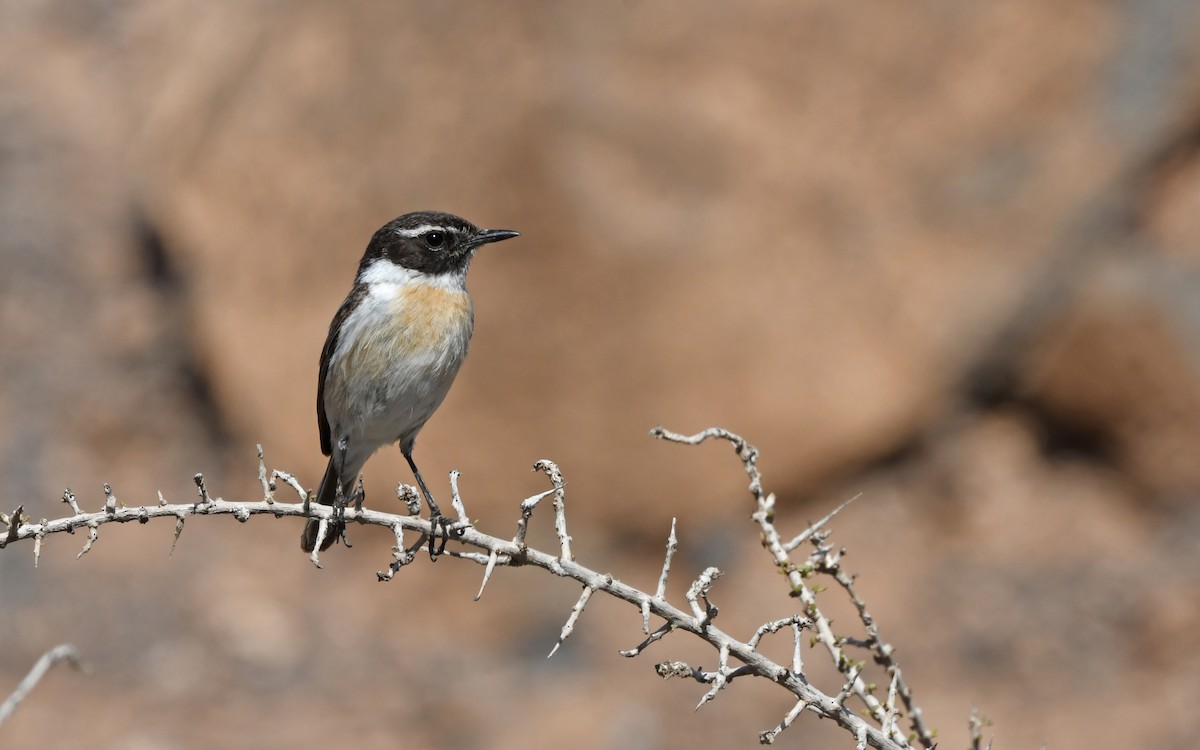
[[435, 239]]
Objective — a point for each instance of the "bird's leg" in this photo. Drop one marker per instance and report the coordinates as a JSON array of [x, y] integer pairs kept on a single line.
[[436, 519], [339, 514], [433, 506], [338, 524], [358, 496]]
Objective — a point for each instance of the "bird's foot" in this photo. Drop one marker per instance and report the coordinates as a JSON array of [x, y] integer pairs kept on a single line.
[[442, 530], [338, 524]]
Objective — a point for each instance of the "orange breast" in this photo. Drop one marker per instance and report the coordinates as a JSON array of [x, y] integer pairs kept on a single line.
[[431, 316], [418, 335]]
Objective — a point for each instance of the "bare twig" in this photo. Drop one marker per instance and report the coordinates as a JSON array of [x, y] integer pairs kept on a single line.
[[264, 479], [69, 499], [527, 506], [655, 636], [698, 592], [560, 510], [720, 679], [661, 591], [975, 724], [290, 481], [65, 652], [768, 737]]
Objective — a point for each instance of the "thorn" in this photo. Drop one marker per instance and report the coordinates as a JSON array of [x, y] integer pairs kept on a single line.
[[720, 677], [322, 530], [487, 572], [576, 611], [93, 535], [813, 528]]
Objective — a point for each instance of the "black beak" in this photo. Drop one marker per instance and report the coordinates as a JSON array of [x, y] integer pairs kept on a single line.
[[493, 235]]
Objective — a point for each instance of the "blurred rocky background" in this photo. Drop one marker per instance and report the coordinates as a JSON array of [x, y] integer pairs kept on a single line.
[[946, 255]]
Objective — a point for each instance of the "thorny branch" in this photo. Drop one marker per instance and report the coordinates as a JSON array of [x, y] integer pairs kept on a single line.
[[824, 560], [877, 725]]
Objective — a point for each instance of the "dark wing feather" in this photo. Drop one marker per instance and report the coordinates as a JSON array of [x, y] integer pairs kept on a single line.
[[322, 419], [331, 343]]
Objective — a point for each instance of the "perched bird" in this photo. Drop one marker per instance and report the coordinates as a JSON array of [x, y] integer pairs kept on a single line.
[[393, 349]]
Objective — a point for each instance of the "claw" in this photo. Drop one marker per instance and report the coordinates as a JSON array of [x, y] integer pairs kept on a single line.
[[438, 521]]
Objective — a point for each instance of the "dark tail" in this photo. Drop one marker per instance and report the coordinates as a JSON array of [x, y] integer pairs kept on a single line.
[[326, 495]]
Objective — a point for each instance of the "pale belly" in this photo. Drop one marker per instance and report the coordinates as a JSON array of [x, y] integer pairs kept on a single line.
[[394, 365]]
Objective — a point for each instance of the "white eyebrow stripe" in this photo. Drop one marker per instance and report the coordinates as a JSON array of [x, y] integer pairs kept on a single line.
[[423, 229]]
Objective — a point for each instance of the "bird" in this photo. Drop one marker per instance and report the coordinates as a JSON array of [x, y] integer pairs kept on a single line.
[[394, 348]]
